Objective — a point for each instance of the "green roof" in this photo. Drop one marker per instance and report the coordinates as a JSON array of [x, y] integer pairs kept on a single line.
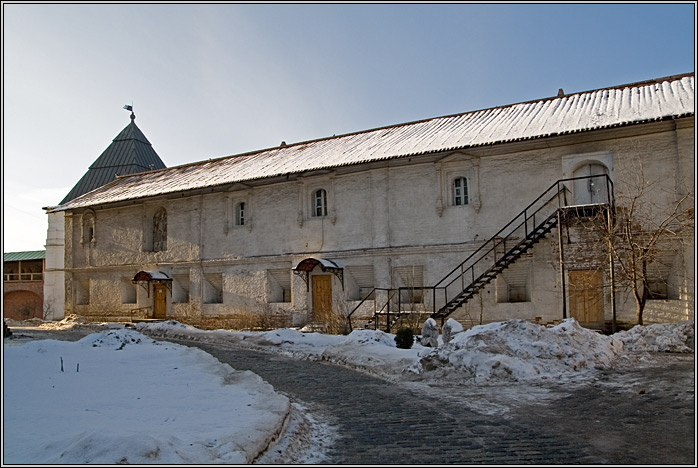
[[129, 153], [29, 255]]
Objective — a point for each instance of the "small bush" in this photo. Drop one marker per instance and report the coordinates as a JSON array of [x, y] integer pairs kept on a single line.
[[404, 338]]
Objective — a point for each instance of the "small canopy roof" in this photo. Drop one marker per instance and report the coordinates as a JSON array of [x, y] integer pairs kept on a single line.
[[151, 276], [309, 263], [304, 268]]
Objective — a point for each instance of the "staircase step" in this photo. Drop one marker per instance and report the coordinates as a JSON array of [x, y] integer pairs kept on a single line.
[[535, 236]]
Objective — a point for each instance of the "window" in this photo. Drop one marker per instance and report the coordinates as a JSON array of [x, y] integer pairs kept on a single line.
[[411, 278], [279, 285], [661, 272], [460, 191], [320, 203], [128, 291], [240, 214], [82, 291], [88, 228], [213, 288], [160, 230], [657, 289], [512, 285], [180, 288]]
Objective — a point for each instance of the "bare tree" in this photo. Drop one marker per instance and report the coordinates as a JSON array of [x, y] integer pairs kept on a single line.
[[650, 216]]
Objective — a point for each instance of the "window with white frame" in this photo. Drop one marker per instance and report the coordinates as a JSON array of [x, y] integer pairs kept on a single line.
[[240, 214], [320, 203], [460, 191], [458, 178]]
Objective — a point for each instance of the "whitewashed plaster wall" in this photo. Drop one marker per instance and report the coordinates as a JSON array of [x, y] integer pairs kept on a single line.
[[54, 273], [383, 216]]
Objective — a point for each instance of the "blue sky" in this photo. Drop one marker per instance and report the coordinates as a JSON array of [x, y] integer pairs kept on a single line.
[[221, 79]]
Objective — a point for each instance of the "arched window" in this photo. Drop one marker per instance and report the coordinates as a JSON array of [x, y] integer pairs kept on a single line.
[[160, 230], [88, 228], [320, 203], [460, 191], [240, 214]]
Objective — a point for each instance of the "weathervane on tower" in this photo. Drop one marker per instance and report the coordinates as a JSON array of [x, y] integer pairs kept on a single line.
[[130, 108]]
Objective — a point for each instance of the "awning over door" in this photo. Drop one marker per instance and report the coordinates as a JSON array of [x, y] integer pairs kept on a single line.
[[307, 265], [144, 278]]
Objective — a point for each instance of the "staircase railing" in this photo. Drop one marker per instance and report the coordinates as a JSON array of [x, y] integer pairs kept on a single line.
[[376, 311], [497, 253], [493, 256]]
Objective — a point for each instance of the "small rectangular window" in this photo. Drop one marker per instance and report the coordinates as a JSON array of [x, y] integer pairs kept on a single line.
[[320, 203], [460, 191], [279, 285], [128, 291], [240, 214], [658, 290], [213, 288], [82, 291]]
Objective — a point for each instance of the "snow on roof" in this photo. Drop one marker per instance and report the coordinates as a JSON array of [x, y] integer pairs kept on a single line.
[[150, 276], [309, 263], [664, 98]]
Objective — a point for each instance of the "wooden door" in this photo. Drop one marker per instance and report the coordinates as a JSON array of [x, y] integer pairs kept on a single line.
[[322, 297], [586, 297], [159, 301]]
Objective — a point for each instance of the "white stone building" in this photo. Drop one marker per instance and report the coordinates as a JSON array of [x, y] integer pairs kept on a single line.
[[305, 232]]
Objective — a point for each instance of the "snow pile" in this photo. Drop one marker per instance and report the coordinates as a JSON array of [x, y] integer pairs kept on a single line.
[[125, 398], [370, 337], [521, 350], [118, 397], [660, 337], [374, 351], [311, 342], [501, 351], [118, 339], [450, 329]]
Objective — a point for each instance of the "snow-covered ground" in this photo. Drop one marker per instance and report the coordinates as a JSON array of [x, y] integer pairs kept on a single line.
[[126, 395]]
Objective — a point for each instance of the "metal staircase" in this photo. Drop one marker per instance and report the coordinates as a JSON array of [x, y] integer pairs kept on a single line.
[[501, 250], [499, 266], [525, 230]]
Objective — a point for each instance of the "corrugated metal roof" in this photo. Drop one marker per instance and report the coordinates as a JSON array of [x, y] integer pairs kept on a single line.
[[664, 98], [21, 256], [129, 153]]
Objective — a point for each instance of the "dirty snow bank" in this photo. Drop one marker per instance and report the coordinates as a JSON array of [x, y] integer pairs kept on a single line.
[[512, 350], [660, 337], [521, 350]]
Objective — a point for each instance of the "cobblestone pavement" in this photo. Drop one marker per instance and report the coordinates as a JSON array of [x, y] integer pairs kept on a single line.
[[635, 415], [645, 417]]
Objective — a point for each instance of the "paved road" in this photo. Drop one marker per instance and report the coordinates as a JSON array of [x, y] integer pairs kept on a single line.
[[380, 423], [631, 416]]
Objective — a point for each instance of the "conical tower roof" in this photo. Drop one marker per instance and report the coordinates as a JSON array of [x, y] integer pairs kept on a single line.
[[129, 153]]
